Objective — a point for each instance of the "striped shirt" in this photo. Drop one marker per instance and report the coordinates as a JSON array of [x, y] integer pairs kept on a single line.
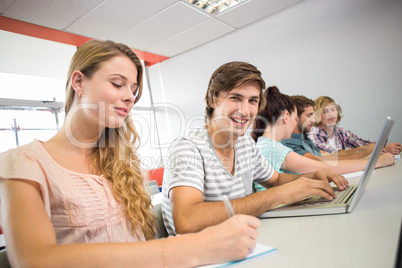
[[193, 162], [344, 139]]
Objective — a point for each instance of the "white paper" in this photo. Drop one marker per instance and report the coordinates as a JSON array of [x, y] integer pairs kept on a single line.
[[258, 251]]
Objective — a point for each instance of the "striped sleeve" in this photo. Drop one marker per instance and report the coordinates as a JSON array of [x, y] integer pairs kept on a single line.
[[262, 169], [185, 166]]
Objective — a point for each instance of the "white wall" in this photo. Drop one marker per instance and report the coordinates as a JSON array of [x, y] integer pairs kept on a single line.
[[349, 50], [21, 54]]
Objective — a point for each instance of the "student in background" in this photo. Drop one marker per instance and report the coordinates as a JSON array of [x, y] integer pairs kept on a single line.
[[219, 159], [78, 199], [276, 122], [301, 144], [329, 137]]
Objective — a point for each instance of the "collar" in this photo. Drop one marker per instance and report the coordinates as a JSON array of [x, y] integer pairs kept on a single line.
[[297, 135]]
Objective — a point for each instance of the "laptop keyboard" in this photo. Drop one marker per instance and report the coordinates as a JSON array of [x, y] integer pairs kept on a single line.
[[316, 200]]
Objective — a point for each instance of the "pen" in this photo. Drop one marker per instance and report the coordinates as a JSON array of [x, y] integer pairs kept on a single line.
[[228, 206]]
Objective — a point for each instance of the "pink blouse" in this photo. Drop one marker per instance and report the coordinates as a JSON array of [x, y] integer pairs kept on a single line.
[[81, 207]]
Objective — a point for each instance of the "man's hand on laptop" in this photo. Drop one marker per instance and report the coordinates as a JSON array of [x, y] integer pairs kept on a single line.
[[304, 187], [330, 176]]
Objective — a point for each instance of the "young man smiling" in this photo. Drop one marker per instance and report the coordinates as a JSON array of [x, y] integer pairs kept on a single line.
[[219, 159]]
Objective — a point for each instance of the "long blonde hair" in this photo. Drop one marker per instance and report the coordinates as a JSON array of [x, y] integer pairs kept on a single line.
[[115, 154]]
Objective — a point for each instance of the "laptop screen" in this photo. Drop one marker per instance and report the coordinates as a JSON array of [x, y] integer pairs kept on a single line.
[[386, 129]]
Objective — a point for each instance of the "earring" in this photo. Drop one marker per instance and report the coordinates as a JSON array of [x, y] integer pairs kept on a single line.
[[79, 94]]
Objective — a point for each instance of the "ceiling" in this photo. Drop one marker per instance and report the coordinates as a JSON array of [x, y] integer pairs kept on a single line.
[[162, 27]]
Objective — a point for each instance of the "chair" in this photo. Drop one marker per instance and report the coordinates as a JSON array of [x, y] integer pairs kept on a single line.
[[4, 259], [152, 188], [156, 175], [157, 203], [159, 219], [153, 178]]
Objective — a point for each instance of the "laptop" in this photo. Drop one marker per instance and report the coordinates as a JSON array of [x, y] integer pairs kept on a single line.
[[346, 200]]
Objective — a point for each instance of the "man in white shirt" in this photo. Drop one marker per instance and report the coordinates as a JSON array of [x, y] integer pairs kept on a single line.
[[219, 159]]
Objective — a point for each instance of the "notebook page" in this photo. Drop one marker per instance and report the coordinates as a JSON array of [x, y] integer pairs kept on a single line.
[[258, 251]]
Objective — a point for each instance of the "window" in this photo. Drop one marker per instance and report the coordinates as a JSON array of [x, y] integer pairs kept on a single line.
[[26, 111], [34, 71], [143, 115], [40, 114]]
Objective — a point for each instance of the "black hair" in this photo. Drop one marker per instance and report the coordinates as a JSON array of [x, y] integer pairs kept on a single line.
[[277, 103]]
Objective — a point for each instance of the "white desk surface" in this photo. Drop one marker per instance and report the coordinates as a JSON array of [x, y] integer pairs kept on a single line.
[[366, 237]]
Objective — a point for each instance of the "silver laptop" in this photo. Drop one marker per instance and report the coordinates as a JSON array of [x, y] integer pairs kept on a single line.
[[346, 200]]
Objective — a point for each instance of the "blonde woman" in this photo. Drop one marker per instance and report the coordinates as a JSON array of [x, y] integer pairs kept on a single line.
[[329, 137], [73, 200]]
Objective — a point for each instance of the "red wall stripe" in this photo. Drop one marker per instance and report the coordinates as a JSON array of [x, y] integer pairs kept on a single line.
[[29, 29]]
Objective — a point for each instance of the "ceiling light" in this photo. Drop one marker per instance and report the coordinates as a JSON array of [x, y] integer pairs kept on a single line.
[[215, 6]]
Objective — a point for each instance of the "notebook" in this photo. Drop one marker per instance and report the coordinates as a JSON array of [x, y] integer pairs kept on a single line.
[[258, 251], [346, 200]]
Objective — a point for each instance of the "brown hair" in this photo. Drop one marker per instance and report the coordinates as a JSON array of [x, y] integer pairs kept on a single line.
[[301, 103], [227, 77], [115, 155], [277, 103], [320, 104]]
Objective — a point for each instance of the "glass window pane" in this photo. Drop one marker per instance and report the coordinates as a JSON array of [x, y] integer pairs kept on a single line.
[[149, 150], [30, 125], [145, 100], [27, 87], [42, 125]]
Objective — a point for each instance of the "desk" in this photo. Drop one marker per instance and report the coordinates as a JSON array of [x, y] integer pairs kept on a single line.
[[366, 237]]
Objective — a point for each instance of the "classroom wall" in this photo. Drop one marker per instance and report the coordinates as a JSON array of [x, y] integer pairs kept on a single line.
[[26, 55], [349, 50]]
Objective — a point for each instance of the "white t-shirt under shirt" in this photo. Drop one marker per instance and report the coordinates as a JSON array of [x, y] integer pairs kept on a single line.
[[193, 162], [332, 142]]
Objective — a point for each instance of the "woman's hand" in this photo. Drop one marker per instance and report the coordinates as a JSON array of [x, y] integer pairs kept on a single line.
[[230, 240]]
